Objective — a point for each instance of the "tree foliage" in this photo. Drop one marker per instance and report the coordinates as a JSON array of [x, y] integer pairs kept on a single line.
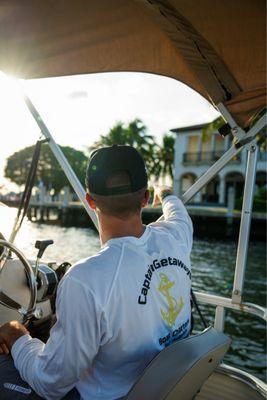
[[213, 126], [159, 159], [134, 134], [48, 171], [166, 156]]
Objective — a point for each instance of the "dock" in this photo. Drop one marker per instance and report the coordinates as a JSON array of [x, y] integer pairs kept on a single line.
[[209, 221]]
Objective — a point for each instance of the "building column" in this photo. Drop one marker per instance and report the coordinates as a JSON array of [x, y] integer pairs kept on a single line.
[[231, 200], [199, 145], [177, 187], [197, 198], [227, 143], [222, 190]]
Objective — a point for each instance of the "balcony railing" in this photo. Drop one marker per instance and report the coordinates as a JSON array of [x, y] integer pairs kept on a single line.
[[205, 157]]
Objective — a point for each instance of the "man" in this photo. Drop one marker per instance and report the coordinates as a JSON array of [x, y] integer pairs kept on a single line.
[[117, 309]]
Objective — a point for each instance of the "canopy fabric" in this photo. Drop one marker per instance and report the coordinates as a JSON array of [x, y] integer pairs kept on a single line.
[[216, 47]]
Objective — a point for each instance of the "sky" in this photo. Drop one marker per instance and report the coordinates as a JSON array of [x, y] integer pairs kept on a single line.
[[78, 109]]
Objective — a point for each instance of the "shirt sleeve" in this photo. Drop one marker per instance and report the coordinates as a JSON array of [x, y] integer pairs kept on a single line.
[[176, 220], [53, 369]]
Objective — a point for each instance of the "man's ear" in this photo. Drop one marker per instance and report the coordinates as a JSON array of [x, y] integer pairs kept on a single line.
[[90, 201], [145, 199]]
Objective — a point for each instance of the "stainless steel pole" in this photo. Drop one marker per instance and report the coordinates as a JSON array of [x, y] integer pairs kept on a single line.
[[219, 318], [243, 241], [74, 181], [212, 299]]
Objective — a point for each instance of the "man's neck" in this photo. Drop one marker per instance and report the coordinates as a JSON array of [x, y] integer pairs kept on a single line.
[[111, 227]]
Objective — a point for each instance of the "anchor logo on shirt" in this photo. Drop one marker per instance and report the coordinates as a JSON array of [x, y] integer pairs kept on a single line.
[[174, 306]]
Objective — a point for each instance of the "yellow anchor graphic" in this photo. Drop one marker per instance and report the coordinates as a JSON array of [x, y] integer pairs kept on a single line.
[[175, 307]]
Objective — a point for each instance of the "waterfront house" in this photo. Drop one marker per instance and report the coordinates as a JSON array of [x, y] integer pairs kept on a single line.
[[193, 156]]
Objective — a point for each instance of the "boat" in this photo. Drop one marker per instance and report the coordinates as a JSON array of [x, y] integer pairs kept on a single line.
[[217, 48]]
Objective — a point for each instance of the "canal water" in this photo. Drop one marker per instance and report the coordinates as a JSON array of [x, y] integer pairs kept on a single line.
[[213, 265]]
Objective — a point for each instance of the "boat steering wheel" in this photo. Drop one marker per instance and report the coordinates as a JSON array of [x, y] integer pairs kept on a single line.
[[5, 300]]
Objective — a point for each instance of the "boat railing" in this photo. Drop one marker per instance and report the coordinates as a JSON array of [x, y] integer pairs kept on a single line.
[[221, 303]]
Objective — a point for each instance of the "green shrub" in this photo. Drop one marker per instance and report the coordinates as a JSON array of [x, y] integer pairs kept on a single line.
[[259, 201]]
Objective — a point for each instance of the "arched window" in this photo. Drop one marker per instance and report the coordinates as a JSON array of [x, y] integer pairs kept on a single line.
[[210, 193], [187, 181], [236, 181]]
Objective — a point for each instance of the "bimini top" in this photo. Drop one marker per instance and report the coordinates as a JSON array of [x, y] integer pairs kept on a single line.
[[216, 47]]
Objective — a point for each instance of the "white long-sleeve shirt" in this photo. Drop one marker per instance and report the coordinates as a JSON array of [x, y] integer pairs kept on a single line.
[[115, 312]]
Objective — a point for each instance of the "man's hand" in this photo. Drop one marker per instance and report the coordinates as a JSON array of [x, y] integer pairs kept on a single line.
[[159, 193], [9, 333]]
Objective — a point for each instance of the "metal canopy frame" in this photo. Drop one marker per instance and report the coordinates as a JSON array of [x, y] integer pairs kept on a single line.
[[74, 181], [243, 140]]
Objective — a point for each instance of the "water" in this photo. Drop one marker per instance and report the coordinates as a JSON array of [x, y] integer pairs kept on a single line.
[[213, 265]]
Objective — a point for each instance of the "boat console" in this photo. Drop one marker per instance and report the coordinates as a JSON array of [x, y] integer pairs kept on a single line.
[[28, 288]]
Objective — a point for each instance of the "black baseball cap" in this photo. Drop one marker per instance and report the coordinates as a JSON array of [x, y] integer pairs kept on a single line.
[[104, 162]]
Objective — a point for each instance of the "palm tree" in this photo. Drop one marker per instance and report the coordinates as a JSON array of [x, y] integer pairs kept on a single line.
[[134, 134], [144, 143], [116, 135], [166, 157]]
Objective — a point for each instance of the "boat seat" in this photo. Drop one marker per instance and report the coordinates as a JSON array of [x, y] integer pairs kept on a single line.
[[179, 371]]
